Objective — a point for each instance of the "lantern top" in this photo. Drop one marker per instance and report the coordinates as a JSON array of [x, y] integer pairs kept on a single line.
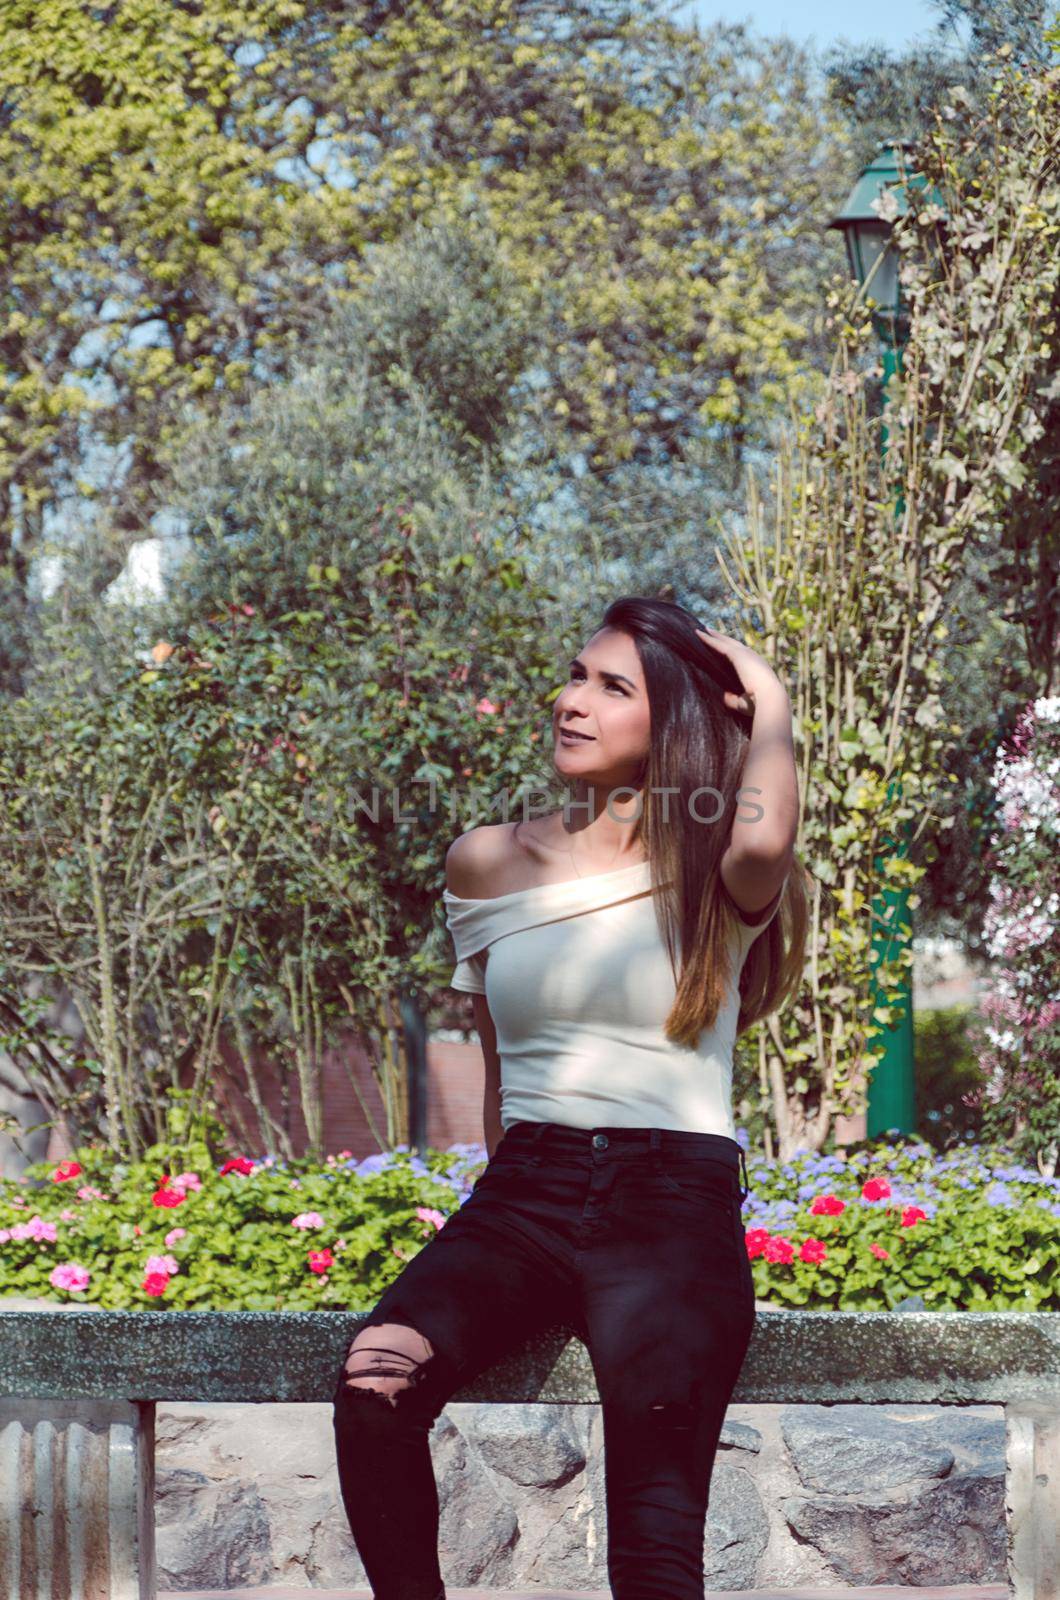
[[883, 172]]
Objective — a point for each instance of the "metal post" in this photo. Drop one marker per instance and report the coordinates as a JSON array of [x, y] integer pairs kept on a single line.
[[892, 1086], [415, 1027]]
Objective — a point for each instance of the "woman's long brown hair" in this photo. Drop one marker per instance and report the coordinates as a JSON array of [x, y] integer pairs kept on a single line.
[[697, 742]]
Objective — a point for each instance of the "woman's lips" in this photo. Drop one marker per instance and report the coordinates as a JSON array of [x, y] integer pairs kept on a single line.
[[570, 733]]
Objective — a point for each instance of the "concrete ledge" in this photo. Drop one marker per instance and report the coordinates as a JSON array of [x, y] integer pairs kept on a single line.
[[795, 1357], [953, 1591], [80, 1388]]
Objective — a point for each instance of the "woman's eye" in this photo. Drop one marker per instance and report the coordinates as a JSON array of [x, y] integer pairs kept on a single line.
[[578, 677]]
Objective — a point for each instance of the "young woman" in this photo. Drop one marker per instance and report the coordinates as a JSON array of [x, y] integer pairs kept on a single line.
[[614, 950]]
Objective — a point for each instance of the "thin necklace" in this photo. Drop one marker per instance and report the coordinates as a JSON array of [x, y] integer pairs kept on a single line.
[[570, 852]]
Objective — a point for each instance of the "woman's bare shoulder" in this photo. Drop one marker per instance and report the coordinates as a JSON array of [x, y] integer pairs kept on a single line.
[[479, 859]]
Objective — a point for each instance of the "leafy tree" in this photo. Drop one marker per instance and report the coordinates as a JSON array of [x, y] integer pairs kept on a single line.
[[855, 569], [1017, 1036], [894, 94], [948, 1077], [234, 841], [401, 393], [188, 188], [226, 812]]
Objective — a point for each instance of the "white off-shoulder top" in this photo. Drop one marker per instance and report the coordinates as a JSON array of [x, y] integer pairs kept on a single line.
[[579, 986]]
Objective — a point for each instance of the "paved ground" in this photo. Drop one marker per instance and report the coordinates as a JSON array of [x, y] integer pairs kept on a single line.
[[952, 1591]]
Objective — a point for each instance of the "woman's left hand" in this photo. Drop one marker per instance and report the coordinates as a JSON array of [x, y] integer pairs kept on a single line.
[[753, 671]]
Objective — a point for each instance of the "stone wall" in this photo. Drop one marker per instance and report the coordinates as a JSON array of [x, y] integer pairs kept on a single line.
[[801, 1495]]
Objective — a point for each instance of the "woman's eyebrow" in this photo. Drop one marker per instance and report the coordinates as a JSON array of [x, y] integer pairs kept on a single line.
[[603, 673]]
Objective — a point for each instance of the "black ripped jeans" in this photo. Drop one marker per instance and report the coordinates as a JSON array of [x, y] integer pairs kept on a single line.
[[633, 1239]]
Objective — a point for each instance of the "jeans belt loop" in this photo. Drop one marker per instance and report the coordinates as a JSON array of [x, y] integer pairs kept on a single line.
[[534, 1158], [655, 1149]]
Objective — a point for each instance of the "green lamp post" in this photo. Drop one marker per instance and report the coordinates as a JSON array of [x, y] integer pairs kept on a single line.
[[874, 264]]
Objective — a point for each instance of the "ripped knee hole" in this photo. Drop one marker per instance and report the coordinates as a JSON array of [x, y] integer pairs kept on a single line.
[[380, 1371]]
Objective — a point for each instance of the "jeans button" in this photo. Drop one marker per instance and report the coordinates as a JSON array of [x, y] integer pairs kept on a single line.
[[599, 1141]]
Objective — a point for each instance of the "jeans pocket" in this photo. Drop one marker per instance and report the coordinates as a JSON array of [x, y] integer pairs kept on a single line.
[[707, 1182], [501, 1169]]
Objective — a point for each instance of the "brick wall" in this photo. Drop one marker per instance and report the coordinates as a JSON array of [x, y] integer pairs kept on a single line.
[[353, 1115]]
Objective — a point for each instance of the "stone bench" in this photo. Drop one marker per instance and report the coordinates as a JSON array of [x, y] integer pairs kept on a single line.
[[79, 1390]]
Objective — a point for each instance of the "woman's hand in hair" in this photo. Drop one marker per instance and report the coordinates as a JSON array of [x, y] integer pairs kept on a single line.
[[754, 672]]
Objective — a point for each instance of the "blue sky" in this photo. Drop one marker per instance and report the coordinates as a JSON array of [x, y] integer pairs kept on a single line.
[[895, 24]]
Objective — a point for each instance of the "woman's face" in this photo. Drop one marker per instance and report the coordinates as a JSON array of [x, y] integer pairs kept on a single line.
[[606, 700]]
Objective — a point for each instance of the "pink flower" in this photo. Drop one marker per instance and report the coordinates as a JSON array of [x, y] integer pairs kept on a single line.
[[320, 1260], [827, 1205], [875, 1189], [69, 1275], [67, 1215], [426, 1214], [307, 1219], [86, 1192], [174, 1234], [187, 1180], [155, 1283], [486, 708], [880, 1252], [779, 1250], [35, 1228], [5, 1234], [168, 1264]]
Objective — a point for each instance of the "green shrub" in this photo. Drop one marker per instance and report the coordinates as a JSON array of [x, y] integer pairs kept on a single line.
[[968, 1230]]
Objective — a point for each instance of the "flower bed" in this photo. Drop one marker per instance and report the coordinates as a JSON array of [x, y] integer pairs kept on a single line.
[[968, 1230]]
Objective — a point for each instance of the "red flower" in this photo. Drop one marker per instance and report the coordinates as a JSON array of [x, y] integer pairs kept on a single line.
[[320, 1260], [827, 1205], [155, 1283], [65, 1170], [875, 1189], [756, 1240], [813, 1251], [168, 1197], [238, 1164], [911, 1215]]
